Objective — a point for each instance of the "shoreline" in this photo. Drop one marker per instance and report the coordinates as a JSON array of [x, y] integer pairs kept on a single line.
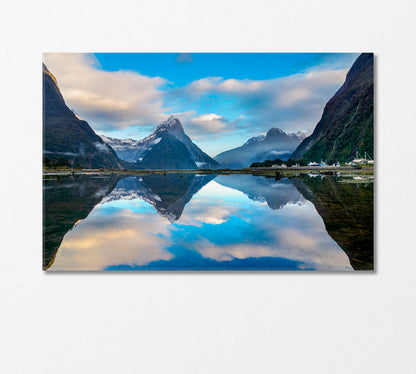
[[284, 172]]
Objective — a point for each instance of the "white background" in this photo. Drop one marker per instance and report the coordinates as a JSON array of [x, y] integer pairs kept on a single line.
[[207, 323]]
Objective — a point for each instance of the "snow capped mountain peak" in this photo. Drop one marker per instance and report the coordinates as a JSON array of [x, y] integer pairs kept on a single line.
[[256, 139], [148, 153], [274, 131], [119, 144], [301, 134], [171, 119], [172, 123]]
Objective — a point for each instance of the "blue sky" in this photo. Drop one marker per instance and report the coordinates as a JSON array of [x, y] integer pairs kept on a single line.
[[222, 99], [184, 68]]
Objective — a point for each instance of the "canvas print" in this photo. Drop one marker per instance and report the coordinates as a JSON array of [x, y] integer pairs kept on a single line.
[[208, 161]]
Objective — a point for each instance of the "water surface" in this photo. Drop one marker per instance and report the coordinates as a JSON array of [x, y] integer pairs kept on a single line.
[[193, 222]]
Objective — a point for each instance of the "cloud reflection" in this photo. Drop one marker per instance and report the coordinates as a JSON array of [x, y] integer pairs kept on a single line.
[[250, 229], [220, 228], [295, 232], [118, 237]]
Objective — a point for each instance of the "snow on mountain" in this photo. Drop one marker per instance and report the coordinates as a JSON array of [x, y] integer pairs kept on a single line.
[[157, 191], [275, 144], [168, 147], [254, 139], [301, 134]]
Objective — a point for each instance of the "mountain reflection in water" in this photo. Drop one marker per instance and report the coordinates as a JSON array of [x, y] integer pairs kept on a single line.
[[348, 213], [67, 200], [235, 222], [167, 193], [276, 194]]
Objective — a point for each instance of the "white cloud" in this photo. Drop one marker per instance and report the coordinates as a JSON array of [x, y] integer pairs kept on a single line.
[[292, 103], [102, 147], [303, 88], [113, 101], [293, 96], [211, 123], [218, 84], [301, 85], [234, 85], [203, 85], [109, 100]]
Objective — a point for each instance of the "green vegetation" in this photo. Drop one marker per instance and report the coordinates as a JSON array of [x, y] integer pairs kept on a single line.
[[261, 171], [277, 161], [59, 163], [346, 125], [342, 142]]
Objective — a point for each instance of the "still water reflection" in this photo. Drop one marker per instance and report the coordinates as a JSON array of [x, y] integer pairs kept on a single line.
[[184, 222]]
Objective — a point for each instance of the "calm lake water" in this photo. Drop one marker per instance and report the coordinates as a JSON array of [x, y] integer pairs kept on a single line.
[[196, 222]]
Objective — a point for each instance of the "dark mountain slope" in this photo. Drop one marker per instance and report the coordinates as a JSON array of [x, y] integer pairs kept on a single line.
[[67, 140], [168, 153], [346, 125]]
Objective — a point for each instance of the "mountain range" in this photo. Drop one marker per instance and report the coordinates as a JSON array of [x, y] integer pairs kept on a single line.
[[275, 144], [346, 126], [168, 147], [70, 141]]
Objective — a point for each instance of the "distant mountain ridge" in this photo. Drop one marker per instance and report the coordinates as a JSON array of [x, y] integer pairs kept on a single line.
[[275, 144], [168, 147], [346, 126], [68, 140]]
